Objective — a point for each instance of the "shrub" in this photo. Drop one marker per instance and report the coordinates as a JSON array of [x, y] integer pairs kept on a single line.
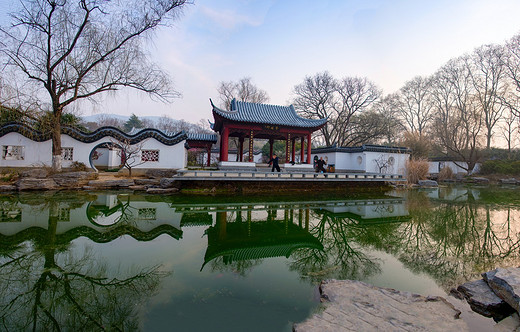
[[509, 167], [8, 175], [417, 169], [445, 173], [78, 166]]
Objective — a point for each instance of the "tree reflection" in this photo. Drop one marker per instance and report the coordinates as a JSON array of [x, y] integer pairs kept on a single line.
[[44, 286]]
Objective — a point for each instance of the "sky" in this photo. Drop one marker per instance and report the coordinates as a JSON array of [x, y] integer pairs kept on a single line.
[[279, 42]]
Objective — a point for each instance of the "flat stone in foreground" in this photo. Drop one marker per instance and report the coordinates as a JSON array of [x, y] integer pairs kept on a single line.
[[506, 284], [356, 306], [483, 300]]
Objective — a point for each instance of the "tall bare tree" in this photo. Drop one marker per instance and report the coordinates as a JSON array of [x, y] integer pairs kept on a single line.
[[243, 90], [322, 96], [486, 66], [458, 121], [75, 50], [415, 104]]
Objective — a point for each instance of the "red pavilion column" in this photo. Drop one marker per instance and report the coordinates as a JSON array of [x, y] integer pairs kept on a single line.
[[308, 148], [287, 147], [251, 135], [241, 149], [225, 144], [293, 148], [302, 154], [209, 155]]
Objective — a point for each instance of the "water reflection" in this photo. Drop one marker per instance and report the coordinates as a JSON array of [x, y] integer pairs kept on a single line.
[[450, 235]]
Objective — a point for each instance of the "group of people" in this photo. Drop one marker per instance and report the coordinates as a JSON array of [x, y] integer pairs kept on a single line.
[[320, 164]]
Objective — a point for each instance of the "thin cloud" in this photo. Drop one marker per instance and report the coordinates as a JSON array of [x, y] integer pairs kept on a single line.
[[229, 19]]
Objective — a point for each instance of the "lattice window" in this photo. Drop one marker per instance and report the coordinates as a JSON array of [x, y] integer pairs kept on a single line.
[[147, 213], [149, 155], [67, 153], [12, 152], [63, 214]]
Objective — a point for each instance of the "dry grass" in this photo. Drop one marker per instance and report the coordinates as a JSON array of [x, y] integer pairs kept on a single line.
[[417, 169], [446, 173]]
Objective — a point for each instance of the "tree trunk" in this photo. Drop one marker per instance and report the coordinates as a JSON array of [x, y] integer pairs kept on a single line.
[[56, 142]]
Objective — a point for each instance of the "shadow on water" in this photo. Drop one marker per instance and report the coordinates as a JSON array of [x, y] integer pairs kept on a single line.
[[256, 258]]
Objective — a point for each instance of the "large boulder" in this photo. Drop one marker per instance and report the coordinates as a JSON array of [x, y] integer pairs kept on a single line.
[[505, 283], [484, 301], [160, 173], [427, 183], [36, 184], [356, 306], [39, 173], [147, 182], [74, 180], [167, 183], [115, 183]]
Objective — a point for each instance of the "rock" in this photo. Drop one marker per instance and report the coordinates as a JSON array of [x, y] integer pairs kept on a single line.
[[167, 183], [508, 181], [161, 190], [506, 285], [36, 184], [38, 173], [7, 187], [427, 183], [138, 187], [147, 182], [119, 183], [477, 180], [356, 306], [484, 301], [160, 173], [74, 180]]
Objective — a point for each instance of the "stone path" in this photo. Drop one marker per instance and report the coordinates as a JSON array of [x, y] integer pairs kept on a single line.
[[356, 306]]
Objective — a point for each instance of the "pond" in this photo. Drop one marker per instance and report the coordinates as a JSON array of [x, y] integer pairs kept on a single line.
[[121, 261]]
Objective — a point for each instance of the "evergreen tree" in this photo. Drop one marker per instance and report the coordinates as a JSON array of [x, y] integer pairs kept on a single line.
[[133, 122]]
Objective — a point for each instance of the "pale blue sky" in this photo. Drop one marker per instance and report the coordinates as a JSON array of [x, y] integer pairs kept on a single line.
[[278, 42]]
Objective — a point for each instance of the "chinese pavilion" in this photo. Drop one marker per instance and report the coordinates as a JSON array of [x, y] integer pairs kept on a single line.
[[262, 121]]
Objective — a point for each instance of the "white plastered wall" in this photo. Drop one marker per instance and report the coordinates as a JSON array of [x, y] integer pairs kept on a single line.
[[40, 153]]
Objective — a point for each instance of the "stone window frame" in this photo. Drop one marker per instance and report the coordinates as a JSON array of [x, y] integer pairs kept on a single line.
[[150, 155], [13, 152], [67, 153]]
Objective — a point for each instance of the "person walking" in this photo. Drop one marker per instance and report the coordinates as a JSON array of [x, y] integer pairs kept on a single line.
[[274, 161]]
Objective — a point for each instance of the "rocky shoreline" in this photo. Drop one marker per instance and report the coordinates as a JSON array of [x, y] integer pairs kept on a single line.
[[43, 180], [349, 305]]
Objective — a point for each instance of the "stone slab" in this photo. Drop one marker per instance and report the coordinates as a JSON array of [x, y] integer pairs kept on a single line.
[[427, 183], [484, 301], [505, 282], [7, 187], [120, 183], [161, 190], [36, 184], [356, 306]]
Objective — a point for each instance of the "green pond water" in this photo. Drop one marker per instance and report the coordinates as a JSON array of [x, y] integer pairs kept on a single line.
[[120, 261]]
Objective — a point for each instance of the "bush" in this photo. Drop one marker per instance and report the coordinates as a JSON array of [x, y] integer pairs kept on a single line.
[[509, 167], [8, 175], [78, 166], [445, 174], [417, 169]]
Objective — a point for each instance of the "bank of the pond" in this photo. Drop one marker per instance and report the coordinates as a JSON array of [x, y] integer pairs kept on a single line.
[[219, 182]]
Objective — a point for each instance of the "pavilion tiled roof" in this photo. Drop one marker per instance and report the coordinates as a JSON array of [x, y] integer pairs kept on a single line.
[[266, 114], [202, 137]]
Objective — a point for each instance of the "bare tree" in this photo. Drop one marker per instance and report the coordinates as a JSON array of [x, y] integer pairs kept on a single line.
[[458, 121], [486, 66], [131, 154], [75, 50], [415, 104], [322, 96], [243, 90]]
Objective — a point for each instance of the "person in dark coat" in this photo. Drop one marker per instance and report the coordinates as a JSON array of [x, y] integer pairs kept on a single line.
[[274, 161], [321, 165]]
